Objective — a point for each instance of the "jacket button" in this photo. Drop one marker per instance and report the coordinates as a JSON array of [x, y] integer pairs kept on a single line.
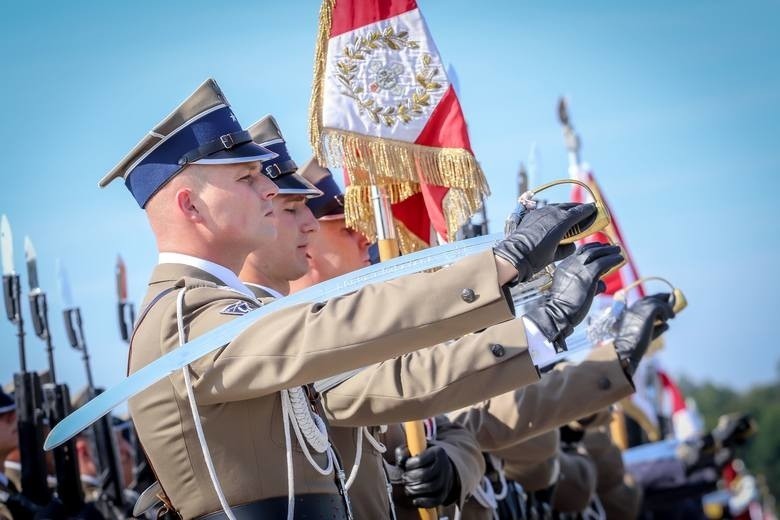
[[468, 295], [497, 350], [604, 383]]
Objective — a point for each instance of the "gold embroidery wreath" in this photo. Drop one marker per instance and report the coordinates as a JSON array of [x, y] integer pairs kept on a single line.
[[408, 108]]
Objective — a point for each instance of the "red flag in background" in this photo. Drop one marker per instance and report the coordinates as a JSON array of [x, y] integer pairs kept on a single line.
[[626, 274], [686, 422], [383, 108]]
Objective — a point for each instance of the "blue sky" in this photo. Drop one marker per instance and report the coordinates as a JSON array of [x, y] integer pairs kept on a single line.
[[678, 107]]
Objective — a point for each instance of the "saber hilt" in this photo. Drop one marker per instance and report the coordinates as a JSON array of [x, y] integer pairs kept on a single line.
[[126, 314], [12, 291]]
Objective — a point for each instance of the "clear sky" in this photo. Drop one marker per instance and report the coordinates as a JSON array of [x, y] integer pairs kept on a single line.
[[678, 107]]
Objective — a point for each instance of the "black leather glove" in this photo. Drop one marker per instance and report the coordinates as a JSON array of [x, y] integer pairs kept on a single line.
[[638, 328], [734, 430], [533, 237], [575, 283], [430, 478]]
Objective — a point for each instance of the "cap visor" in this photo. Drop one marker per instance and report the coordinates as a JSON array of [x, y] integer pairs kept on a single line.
[[294, 184], [242, 153]]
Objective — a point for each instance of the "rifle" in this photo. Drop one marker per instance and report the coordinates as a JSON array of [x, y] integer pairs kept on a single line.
[[143, 477], [27, 385], [56, 397], [110, 478]]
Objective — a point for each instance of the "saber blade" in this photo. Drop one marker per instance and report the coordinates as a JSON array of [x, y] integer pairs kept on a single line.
[[192, 350]]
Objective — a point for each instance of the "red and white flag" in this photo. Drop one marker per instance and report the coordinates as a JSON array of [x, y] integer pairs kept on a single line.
[[384, 109], [685, 420]]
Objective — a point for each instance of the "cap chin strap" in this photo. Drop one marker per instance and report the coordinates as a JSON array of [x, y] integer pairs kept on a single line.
[[225, 142]]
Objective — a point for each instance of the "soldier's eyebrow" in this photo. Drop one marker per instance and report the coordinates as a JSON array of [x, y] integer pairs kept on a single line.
[[248, 169]]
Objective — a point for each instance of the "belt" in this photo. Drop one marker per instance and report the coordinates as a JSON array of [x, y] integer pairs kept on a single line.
[[307, 507]]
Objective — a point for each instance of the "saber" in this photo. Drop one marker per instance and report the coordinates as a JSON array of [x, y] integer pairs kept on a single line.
[[142, 379]]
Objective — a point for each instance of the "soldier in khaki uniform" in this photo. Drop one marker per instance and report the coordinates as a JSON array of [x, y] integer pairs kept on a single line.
[[570, 391], [619, 495], [218, 434], [431, 379], [9, 440]]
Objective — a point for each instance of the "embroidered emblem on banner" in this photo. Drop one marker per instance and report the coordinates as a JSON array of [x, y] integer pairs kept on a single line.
[[387, 86], [238, 308]]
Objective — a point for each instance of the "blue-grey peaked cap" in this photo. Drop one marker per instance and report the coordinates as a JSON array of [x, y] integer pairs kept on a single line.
[[201, 130], [280, 169]]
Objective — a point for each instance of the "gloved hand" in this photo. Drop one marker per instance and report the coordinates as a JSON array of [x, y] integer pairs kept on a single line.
[[575, 283], [734, 429], [429, 479], [533, 238], [637, 329]]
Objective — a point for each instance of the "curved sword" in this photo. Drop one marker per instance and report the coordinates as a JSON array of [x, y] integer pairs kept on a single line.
[[192, 350]]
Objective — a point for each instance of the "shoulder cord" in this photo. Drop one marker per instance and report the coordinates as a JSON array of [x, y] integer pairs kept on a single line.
[[196, 416], [295, 400], [498, 466], [362, 432]]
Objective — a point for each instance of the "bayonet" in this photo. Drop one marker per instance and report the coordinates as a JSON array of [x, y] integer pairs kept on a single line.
[[6, 246], [66, 296], [31, 259]]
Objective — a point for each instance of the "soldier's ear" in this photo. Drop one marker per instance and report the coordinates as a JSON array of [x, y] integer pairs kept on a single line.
[[185, 201]]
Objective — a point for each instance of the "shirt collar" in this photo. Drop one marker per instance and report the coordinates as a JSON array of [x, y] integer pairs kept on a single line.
[[273, 292], [219, 272]]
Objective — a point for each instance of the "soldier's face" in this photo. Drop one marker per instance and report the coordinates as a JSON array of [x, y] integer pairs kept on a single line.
[[9, 438], [285, 256], [236, 206], [337, 250]]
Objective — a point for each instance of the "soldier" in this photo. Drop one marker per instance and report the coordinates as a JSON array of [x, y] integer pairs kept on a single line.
[[268, 272], [9, 440], [197, 174]]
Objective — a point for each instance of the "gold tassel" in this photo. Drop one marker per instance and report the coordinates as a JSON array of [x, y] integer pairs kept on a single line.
[[320, 55], [381, 161], [408, 242]]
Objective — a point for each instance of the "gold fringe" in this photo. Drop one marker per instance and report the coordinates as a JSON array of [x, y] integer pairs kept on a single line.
[[458, 206], [382, 161], [320, 52], [359, 215], [408, 242]]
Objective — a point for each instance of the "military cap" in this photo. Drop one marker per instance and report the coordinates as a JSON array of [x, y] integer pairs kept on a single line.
[[7, 403], [330, 206], [201, 130], [280, 169]]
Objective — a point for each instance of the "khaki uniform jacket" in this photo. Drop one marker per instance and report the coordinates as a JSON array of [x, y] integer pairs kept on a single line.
[[533, 463], [576, 483], [461, 448], [236, 386], [417, 385], [616, 489], [563, 395]]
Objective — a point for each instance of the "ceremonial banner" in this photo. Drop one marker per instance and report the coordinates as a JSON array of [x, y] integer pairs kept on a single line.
[[685, 423], [626, 274], [384, 109]]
